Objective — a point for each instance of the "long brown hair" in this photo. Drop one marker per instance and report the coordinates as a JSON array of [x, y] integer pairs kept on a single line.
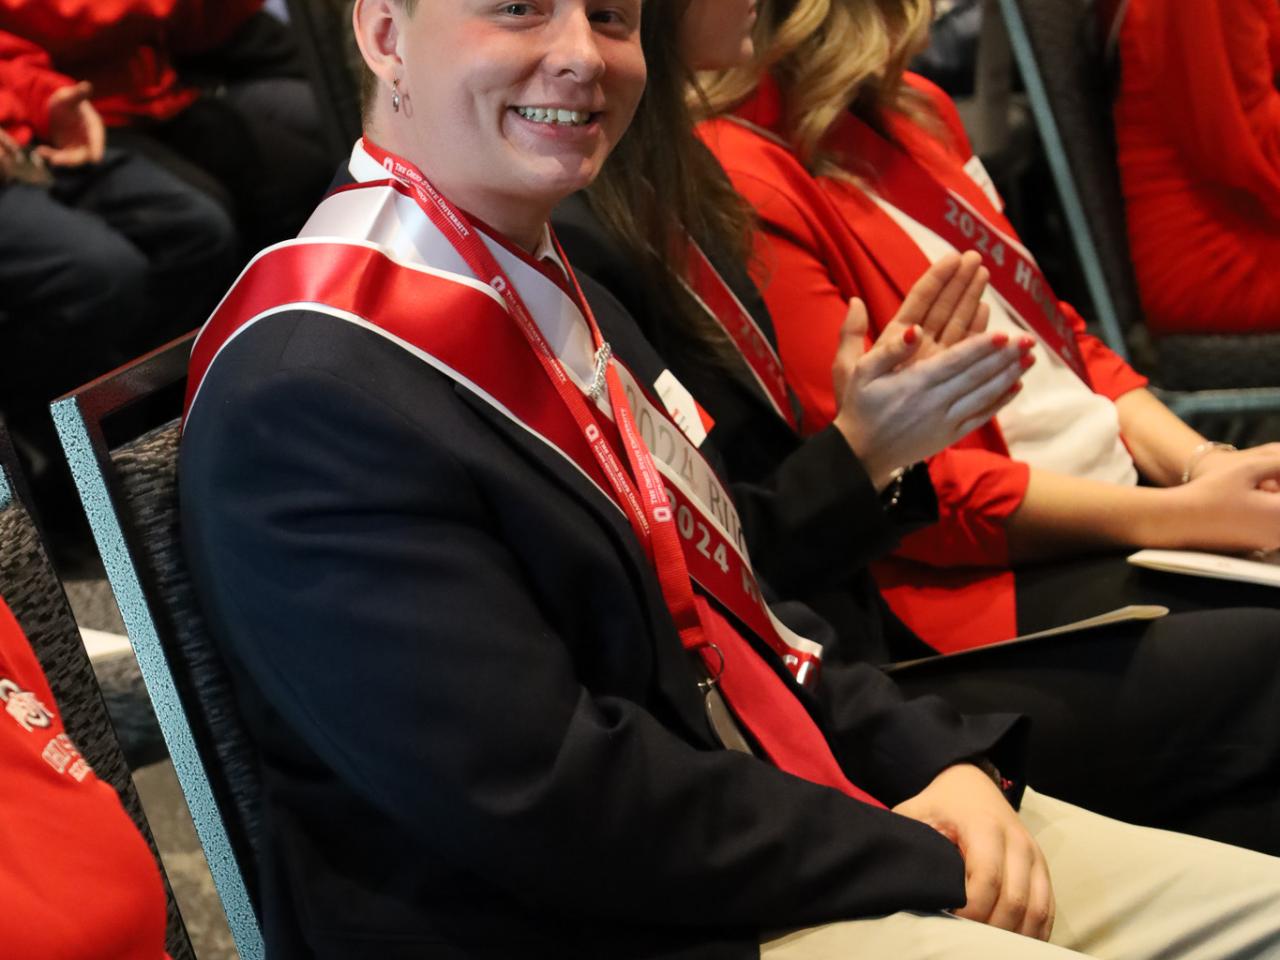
[[661, 185], [828, 56]]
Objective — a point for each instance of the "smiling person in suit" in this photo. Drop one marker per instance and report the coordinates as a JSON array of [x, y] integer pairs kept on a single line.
[[414, 479]]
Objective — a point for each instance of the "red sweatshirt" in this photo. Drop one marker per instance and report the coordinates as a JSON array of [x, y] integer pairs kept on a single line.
[[27, 80], [1198, 131], [77, 880]]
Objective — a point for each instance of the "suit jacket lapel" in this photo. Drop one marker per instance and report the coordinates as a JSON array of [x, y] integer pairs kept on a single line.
[[674, 674]]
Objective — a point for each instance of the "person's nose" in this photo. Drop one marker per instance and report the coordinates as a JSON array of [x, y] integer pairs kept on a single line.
[[575, 47]]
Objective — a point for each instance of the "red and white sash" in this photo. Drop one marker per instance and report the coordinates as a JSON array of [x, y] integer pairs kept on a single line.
[[709, 289], [374, 253]]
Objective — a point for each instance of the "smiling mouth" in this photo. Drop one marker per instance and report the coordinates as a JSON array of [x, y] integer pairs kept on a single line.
[[554, 115]]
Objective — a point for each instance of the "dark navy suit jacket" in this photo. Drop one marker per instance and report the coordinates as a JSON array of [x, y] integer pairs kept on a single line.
[[478, 731]]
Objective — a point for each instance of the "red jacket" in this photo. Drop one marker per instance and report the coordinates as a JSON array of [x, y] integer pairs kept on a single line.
[[27, 80], [823, 241], [77, 880], [125, 47], [1198, 132]]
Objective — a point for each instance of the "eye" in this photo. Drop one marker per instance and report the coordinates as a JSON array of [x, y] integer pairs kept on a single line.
[[622, 15], [517, 9]]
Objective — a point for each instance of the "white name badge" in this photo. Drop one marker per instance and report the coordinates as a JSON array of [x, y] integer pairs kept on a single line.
[[978, 174], [682, 407]]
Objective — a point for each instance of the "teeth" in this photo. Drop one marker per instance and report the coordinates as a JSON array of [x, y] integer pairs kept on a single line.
[[574, 118]]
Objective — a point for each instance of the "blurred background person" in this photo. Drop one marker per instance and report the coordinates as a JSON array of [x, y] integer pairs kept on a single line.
[[103, 255], [1197, 121], [213, 91]]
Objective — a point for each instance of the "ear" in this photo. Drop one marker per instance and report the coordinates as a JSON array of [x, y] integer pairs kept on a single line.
[[377, 29]]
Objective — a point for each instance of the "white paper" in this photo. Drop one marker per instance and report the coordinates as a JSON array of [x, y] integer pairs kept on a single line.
[[1261, 568]]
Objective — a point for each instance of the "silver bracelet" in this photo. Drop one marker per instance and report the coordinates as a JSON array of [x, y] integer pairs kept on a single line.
[[892, 492], [1198, 454]]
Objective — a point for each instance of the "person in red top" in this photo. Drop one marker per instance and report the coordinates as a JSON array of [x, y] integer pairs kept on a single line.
[[102, 253], [861, 177], [210, 90], [77, 880], [1197, 121]]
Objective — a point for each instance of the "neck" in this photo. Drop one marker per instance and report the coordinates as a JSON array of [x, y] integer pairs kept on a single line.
[[517, 218]]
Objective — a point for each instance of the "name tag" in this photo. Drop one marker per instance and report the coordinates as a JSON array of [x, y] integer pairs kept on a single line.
[[682, 407], [978, 174]]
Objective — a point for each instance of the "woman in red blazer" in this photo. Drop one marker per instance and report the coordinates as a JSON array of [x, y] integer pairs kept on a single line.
[[861, 176], [1198, 135]]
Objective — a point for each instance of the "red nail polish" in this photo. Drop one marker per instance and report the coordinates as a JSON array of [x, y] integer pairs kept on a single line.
[[1027, 360], [1016, 387], [1000, 339], [1026, 343], [910, 336]]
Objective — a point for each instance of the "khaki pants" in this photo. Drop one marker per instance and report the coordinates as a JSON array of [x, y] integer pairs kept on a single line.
[[1123, 893]]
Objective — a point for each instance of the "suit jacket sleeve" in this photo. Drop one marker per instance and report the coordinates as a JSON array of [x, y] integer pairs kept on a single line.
[[354, 581], [814, 518]]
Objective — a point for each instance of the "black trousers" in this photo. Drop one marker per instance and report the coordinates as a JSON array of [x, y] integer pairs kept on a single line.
[[1063, 591], [1172, 724], [115, 258], [254, 146]]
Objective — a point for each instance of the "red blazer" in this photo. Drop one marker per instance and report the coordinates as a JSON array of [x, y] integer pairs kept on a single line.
[[27, 80], [77, 880], [824, 241], [1198, 134]]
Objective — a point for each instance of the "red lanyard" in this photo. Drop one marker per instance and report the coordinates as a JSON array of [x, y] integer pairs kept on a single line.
[[645, 504]]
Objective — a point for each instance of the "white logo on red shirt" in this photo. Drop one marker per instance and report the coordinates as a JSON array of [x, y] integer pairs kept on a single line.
[[23, 706]]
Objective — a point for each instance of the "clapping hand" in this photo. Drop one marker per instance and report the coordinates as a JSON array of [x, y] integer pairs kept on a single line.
[[910, 396]]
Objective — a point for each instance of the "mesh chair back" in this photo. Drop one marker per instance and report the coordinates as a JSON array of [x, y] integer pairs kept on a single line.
[[1058, 50], [35, 595], [147, 473], [129, 490]]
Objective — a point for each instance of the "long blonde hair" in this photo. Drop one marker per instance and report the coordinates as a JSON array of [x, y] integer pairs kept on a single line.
[[829, 56]]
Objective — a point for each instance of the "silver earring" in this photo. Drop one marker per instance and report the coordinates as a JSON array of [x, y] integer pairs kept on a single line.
[[395, 95]]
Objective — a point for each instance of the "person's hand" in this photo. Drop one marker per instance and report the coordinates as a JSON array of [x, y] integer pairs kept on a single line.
[[10, 157], [945, 303], [1219, 458], [76, 132], [1230, 505], [894, 412], [1006, 878]]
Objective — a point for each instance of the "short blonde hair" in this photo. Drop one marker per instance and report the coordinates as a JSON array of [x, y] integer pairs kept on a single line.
[[828, 56]]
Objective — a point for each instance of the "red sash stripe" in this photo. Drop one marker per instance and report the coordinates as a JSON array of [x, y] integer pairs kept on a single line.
[[720, 303]]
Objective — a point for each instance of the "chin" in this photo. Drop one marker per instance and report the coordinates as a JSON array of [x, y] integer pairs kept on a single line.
[[560, 178]]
